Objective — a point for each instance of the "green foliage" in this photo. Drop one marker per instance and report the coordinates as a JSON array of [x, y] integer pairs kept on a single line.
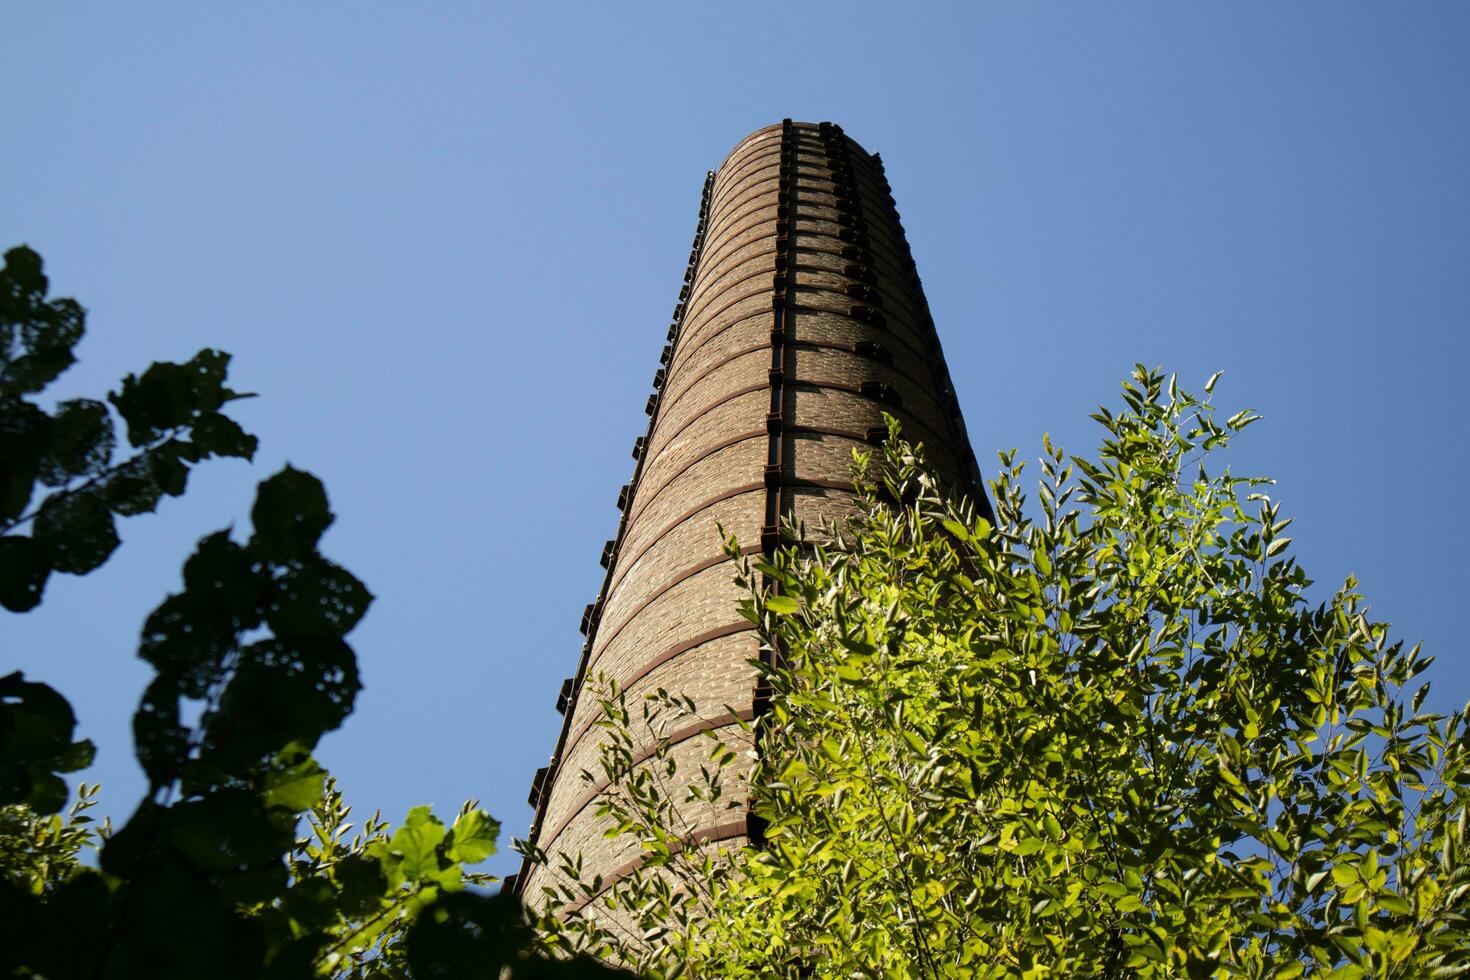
[[1112, 739], [40, 852], [644, 920], [173, 418], [227, 790], [366, 891], [251, 668]]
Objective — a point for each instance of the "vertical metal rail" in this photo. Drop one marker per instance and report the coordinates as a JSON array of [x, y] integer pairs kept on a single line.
[[781, 332], [780, 315], [853, 230], [571, 688]]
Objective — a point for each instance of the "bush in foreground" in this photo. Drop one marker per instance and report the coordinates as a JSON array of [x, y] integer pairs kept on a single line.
[[1112, 738]]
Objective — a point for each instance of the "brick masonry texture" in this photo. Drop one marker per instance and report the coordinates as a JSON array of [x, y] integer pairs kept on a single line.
[[800, 322]]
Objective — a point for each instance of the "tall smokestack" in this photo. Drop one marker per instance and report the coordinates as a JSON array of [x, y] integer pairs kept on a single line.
[[801, 321]]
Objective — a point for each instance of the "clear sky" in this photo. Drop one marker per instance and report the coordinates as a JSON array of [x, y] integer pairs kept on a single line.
[[443, 242]]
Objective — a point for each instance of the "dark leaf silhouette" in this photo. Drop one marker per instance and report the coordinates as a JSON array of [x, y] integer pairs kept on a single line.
[[75, 530], [36, 335], [290, 515], [173, 418], [82, 442], [208, 877], [36, 727], [23, 573]]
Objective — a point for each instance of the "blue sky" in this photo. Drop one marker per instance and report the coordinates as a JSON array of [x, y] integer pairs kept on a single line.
[[443, 241]]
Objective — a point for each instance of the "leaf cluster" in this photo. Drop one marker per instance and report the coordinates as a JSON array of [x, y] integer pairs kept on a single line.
[[1105, 736], [251, 668], [39, 852], [174, 420]]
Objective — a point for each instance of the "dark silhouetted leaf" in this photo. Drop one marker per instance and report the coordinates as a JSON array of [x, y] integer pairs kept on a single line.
[[25, 432], [289, 515], [22, 288], [363, 884], [312, 902], [36, 727], [224, 585], [67, 936], [82, 442], [467, 935], [317, 598], [188, 640], [36, 336], [281, 692], [170, 396], [229, 832], [133, 488], [177, 920], [220, 435], [169, 468], [23, 573], [76, 530], [160, 739], [130, 847]]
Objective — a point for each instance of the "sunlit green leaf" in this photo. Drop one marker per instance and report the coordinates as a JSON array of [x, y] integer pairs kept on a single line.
[[782, 605], [472, 838]]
